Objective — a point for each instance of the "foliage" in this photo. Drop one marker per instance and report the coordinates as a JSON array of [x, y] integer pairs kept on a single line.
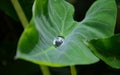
[[101, 46], [49, 22], [108, 50]]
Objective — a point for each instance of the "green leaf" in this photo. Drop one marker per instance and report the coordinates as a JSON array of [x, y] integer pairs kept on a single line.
[[53, 18], [29, 38], [108, 50]]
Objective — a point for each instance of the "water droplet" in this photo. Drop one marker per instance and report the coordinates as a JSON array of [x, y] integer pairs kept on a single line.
[[58, 41]]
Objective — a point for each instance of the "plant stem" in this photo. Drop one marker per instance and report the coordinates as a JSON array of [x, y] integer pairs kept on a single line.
[[45, 70], [24, 22], [20, 13], [73, 70]]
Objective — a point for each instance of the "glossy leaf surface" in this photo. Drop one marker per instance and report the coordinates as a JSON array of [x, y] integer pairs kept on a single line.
[[53, 18]]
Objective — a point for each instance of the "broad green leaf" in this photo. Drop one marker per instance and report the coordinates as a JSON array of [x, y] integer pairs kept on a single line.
[[29, 38], [108, 50], [53, 18]]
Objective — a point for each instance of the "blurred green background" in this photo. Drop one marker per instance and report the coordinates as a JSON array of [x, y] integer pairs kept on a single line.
[[11, 29]]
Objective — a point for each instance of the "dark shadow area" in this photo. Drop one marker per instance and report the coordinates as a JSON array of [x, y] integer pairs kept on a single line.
[[10, 32]]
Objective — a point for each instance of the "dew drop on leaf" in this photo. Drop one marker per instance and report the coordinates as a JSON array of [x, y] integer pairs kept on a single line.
[[58, 41]]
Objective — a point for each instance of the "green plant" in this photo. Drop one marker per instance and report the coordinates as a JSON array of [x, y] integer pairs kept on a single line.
[[108, 50], [48, 22]]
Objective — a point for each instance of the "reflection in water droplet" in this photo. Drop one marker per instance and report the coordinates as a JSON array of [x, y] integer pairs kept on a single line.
[[58, 41]]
